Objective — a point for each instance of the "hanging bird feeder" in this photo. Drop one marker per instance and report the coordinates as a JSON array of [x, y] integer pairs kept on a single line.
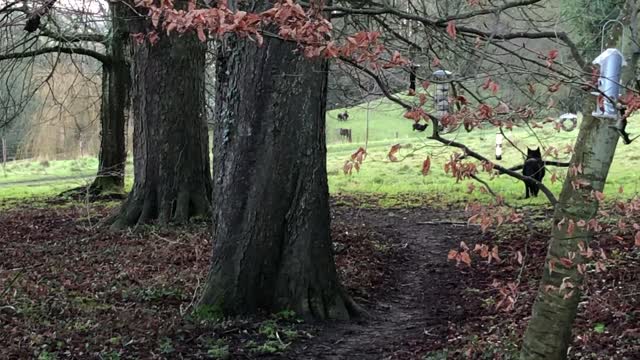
[[499, 139], [611, 62], [441, 97]]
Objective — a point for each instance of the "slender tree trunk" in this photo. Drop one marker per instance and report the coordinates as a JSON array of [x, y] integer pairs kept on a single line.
[[113, 117], [171, 162], [271, 203], [548, 335], [4, 153]]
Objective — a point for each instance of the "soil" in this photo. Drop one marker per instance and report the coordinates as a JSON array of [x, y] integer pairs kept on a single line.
[[421, 294], [70, 291]]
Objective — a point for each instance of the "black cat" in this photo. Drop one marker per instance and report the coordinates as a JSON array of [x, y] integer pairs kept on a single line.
[[533, 167]]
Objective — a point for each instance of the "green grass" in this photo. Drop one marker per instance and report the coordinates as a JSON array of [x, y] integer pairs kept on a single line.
[[387, 127]]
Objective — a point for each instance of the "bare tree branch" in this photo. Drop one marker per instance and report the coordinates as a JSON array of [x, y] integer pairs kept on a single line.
[[58, 49]]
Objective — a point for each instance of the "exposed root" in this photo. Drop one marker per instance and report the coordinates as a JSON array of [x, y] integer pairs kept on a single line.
[[151, 208], [93, 193]]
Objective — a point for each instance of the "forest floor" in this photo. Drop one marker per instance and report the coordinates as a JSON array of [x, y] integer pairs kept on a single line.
[[68, 290]]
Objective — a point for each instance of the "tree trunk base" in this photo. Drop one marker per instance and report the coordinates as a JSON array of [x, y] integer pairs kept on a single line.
[[162, 210], [314, 304], [102, 189]]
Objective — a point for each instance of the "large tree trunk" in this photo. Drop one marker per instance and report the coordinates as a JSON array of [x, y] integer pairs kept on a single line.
[[548, 335], [271, 204], [172, 178]]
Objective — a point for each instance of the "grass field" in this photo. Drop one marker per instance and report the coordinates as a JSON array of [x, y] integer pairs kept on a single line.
[[387, 127]]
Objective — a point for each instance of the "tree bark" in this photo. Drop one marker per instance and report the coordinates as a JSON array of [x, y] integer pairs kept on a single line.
[[272, 246], [116, 84], [548, 334], [172, 178]]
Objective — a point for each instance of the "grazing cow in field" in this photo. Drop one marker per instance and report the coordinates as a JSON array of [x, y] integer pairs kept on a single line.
[[343, 116], [345, 133]]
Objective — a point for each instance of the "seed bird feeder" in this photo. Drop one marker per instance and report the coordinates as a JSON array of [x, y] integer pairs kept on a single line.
[[611, 62], [441, 97]]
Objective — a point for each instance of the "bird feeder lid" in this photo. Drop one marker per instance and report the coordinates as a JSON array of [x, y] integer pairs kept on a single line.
[[606, 54], [568, 116], [441, 73]]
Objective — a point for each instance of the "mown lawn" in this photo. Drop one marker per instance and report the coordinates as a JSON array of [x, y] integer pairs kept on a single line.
[[387, 127]]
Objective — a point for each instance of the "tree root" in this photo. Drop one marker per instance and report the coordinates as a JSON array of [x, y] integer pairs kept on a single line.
[[150, 208]]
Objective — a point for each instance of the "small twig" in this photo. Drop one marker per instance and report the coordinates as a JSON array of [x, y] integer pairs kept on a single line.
[[165, 239], [445, 222], [193, 299], [10, 286]]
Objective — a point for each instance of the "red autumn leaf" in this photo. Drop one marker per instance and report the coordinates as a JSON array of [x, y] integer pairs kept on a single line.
[[478, 42], [598, 195], [473, 2], [394, 149], [637, 239], [153, 37], [451, 29], [464, 246], [155, 18], [425, 84], [201, 35], [553, 54], [486, 84], [453, 254], [423, 99], [462, 100], [601, 102], [435, 62], [494, 87], [426, 165], [138, 38], [502, 108], [470, 188], [571, 227], [494, 253], [465, 258], [358, 156], [554, 88], [519, 257], [348, 165], [331, 51], [566, 262]]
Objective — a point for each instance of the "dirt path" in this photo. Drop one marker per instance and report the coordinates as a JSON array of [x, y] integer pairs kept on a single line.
[[421, 296], [46, 180]]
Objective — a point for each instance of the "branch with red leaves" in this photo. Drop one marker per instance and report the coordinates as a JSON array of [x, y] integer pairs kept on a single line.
[[501, 169]]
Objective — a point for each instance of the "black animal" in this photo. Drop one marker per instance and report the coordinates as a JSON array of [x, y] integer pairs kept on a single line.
[[344, 116], [533, 167], [419, 127]]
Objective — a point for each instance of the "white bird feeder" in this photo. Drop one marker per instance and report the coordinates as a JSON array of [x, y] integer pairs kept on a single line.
[[611, 62], [499, 139]]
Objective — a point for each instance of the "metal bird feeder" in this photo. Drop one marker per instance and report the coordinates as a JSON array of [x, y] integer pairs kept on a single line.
[[611, 62], [441, 96]]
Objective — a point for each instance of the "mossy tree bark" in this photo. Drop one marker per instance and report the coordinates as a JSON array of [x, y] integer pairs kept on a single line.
[[271, 221], [172, 178], [548, 335]]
